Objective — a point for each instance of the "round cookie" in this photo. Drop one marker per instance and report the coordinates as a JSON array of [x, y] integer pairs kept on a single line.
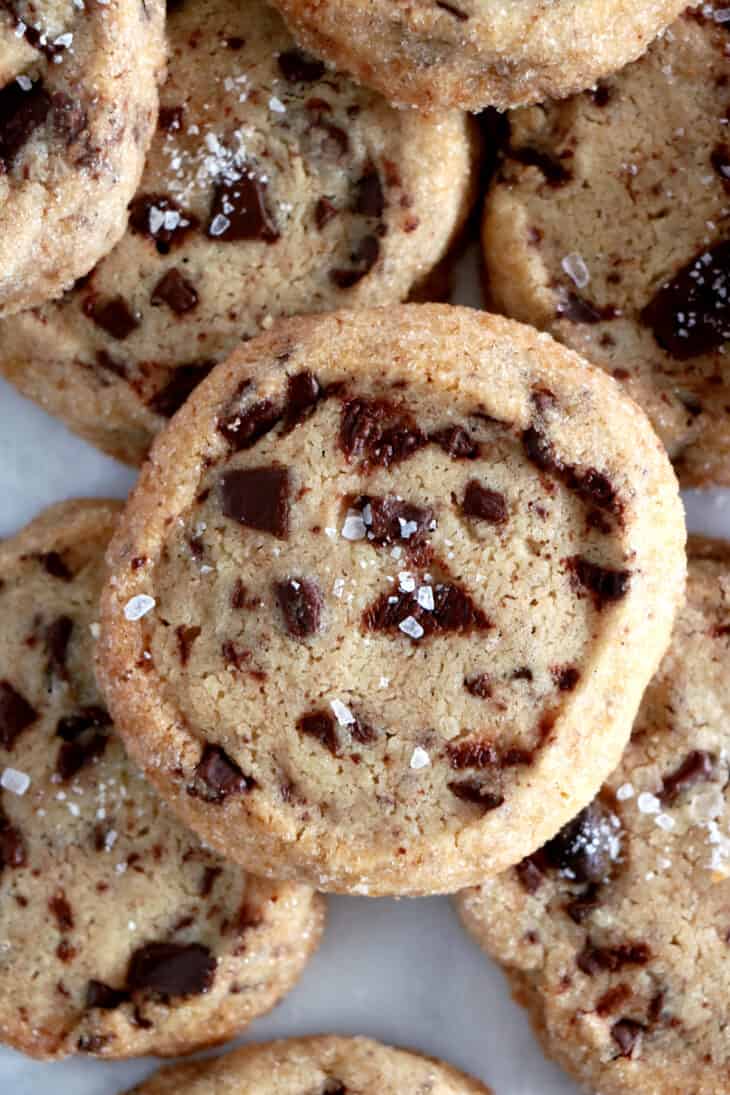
[[121, 934], [615, 935], [323, 1065], [272, 187], [475, 53], [607, 225], [78, 103], [415, 553]]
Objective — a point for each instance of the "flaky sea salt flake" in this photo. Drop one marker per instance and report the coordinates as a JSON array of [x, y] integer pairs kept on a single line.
[[139, 606], [15, 781]]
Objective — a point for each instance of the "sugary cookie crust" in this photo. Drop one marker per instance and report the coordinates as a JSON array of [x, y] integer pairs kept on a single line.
[[122, 935], [422, 473]]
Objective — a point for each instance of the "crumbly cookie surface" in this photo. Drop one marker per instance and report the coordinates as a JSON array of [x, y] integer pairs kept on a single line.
[[477, 53], [273, 187], [121, 934], [607, 225], [615, 934], [379, 576], [325, 1065], [78, 104]]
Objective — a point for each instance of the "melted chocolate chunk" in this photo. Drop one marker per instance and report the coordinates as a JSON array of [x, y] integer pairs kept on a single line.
[[183, 381], [54, 565], [697, 767], [174, 290], [303, 393], [61, 910], [483, 503], [626, 1034], [171, 969], [71, 727], [581, 906], [322, 726], [593, 486], [577, 309], [12, 846], [113, 315], [393, 520], [161, 219], [453, 611], [72, 756], [479, 685], [539, 450], [530, 873], [99, 995], [594, 960], [16, 715], [606, 585], [377, 433], [185, 636], [553, 170], [299, 67], [455, 441], [363, 258], [585, 848], [476, 793], [258, 498], [169, 119], [58, 635], [239, 212], [690, 315], [243, 429], [324, 212], [451, 9], [217, 776], [472, 754], [300, 601], [566, 677], [369, 197], [209, 879], [21, 112]]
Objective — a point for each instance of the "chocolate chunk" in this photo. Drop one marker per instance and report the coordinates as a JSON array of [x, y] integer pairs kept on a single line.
[[183, 381], [243, 429], [452, 10], [71, 727], [321, 725], [334, 1087], [612, 999], [210, 877], [697, 767], [581, 906], [522, 674], [601, 94], [72, 756], [593, 960], [217, 776], [530, 873], [594, 486], [303, 393], [239, 212], [300, 601], [577, 309], [483, 503], [471, 754], [453, 611], [99, 995], [393, 520], [299, 67], [58, 635], [161, 219], [16, 714], [553, 170], [170, 118], [21, 113], [456, 442], [476, 793], [171, 969], [54, 565], [185, 636], [176, 292], [605, 584], [61, 910], [69, 117], [363, 258], [324, 212], [369, 198], [586, 847], [113, 315], [626, 1034], [378, 433], [566, 677], [258, 498], [12, 845], [539, 450], [690, 314], [479, 685]]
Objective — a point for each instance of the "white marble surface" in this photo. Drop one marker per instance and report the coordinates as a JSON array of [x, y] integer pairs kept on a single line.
[[403, 971]]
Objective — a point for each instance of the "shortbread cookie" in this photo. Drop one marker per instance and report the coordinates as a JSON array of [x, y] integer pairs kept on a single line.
[[273, 187], [615, 935], [387, 596], [477, 53], [78, 103], [324, 1065], [121, 934], [607, 225]]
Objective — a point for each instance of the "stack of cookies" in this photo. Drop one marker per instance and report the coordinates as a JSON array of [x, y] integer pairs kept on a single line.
[[397, 605]]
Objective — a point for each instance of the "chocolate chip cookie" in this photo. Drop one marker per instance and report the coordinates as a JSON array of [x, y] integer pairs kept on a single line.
[[615, 934], [325, 1065], [477, 53], [388, 593], [273, 186], [78, 102], [608, 226], [121, 934]]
